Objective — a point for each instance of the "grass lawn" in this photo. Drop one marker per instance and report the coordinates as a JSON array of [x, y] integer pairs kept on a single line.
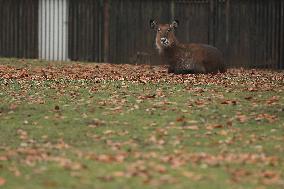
[[83, 126]]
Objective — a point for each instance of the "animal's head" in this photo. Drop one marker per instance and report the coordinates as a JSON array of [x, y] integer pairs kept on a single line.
[[165, 36]]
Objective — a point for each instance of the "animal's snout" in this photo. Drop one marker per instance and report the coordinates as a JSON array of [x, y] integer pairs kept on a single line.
[[164, 41]]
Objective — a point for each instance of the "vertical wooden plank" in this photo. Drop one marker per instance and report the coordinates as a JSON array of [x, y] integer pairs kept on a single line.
[[32, 24], [42, 35], [237, 59], [242, 33], [256, 21], [119, 23], [78, 30], [92, 32], [22, 30], [273, 33], [13, 41], [9, 29], [252, 32], [28, 28], [4, 28], [172, 9], [82, 31], [13, 30], [35, 29], [276, 32], [1, 26], [88, 31], [261, 43], [25, 27], [9, 24], [99, 31], [131, 30], [7, 21], [277, 39], [211, 24], [2, 13], [232, 31], [70, 31], [64, 29], [99, 46], [281, 62], [87, 36], [106, 30], [36, 38], [74, 31], [279, 35], [268, 35], [226, 51], [274, 38]]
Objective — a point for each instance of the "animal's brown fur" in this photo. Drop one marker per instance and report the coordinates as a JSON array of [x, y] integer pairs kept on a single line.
[[186, 58]]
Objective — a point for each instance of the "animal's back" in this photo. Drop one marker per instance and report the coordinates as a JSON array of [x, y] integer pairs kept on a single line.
[[207, 56]]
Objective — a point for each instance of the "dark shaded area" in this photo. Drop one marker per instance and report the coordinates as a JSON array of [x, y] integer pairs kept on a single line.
[[19, 28], [85, 32]]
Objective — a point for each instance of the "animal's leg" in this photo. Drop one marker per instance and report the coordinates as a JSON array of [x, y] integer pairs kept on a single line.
[[222, 68], [184, 71], [171, 69]]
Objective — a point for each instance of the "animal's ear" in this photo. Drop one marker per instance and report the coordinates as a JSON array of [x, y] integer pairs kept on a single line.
[[153, 24], [175, 24]]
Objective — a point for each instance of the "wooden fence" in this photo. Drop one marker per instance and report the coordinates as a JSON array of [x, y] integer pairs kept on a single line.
[[249, 33], [18, 28]]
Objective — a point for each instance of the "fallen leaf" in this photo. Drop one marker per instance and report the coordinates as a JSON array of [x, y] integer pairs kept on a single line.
[[2, 181], [191, 127], [215, 126]]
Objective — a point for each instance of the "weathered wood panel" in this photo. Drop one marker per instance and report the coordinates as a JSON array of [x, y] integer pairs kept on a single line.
[[18, 28], [131, 39], [194, 21], [85, 30], [281, 41]]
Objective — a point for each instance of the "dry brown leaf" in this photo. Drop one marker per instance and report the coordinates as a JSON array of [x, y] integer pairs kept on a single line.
[[2, 181], [191, 127], [215, 126]]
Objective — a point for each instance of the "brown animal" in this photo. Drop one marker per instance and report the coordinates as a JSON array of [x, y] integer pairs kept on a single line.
[[186, 58]]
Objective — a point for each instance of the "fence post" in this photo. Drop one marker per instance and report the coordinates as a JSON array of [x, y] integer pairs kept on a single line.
[[106, 30]]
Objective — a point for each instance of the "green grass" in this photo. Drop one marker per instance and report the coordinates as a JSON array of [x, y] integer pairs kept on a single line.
[[66, 132]]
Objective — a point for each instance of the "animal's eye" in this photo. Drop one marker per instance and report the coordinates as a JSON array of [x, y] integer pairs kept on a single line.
[[169, 30], [159, 29]]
